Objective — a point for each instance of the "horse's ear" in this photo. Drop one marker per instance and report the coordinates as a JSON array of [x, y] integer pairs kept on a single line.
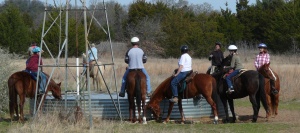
[[268, 64], [59, 84]]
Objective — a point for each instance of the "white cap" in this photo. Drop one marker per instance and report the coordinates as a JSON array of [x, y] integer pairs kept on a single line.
[[135, 39], [232, 47]]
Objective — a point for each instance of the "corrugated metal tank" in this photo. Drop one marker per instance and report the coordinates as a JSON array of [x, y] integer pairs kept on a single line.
[[102, 106]]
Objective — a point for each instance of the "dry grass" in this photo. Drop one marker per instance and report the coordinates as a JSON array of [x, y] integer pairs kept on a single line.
[[287, 67]]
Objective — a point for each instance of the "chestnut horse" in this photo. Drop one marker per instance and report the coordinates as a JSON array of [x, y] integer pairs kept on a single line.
[[203, 84], [21, 83], [136, 88], [249, 83], [272, 100]]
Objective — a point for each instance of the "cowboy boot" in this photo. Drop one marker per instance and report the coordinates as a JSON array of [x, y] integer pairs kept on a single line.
[[272, 83]]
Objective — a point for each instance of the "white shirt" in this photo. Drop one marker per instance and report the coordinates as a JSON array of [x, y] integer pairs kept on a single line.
[[186, 61]]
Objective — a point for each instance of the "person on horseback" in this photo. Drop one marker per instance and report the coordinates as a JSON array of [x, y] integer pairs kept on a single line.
[[32, 67], [93, 57], [216, 57], [262, 58], [184, 67], [135, 58], [235, 67]]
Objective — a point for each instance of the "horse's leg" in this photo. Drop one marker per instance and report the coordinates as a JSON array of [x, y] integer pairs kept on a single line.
[[225, 105], [231, 106], [22, 101], [275, 104], [254, 106], [144, 109], [269, 98], [181, 110], [171, 104], [213, 107]]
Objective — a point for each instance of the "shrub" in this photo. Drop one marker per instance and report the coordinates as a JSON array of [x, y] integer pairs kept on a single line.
[[5, 70]]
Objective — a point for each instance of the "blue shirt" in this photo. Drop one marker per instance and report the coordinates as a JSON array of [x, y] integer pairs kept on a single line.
[[91, 53]]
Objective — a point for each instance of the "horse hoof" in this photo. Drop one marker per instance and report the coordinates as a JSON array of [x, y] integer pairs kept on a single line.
[[164, 122], [216, 122]]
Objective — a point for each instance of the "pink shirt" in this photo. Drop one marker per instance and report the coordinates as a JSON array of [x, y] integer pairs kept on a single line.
[[261, 59]]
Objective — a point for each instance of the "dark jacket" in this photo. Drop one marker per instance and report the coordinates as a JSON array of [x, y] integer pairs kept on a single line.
[[217, 57]]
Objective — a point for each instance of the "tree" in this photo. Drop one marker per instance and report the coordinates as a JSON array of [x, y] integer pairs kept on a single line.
[[13, 30]]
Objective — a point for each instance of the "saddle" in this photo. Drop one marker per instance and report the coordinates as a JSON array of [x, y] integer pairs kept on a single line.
[[34, 77], [236, 76]]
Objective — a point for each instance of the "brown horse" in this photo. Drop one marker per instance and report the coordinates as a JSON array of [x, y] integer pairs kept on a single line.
[[95, 73], [136, 88], [272, 100], [21, 83], [203, 84]]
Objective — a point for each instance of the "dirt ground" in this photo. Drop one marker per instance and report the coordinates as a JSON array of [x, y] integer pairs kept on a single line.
[[284, 116]]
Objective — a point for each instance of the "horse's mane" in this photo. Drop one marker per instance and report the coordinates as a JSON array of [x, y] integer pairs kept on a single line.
[[162, 86]]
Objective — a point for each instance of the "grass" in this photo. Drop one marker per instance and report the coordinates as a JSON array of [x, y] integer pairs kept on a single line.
[[153, 127]]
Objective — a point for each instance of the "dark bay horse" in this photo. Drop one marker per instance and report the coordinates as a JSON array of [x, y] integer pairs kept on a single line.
[[272, 100], [249, 83], [20, 83], [136, 88], [200, 84]]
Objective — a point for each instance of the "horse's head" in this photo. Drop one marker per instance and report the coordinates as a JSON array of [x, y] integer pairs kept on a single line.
[[155, 108], [266, 71], [55, 89]]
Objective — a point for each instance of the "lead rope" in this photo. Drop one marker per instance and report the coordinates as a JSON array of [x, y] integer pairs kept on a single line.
[[272, 74]]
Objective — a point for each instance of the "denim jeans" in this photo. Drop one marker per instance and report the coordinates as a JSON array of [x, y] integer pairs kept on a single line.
[[42, 81], [228, 78], [175, 81], [125, 77]]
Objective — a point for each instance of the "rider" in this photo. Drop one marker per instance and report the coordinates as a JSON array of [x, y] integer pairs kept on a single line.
[[235, 66], [184, 67], [135, 58], [264, 58], [216, 57], [93, 57], [32, 67]]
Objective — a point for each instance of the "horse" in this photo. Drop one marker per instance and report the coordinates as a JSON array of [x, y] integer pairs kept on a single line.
[[21, 83], [272, 100], [248, 83], [136, 88], [201, 83], [94, 73]]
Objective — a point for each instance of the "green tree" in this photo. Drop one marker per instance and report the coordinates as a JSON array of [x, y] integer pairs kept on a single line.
[[230, 27], [13, 30]]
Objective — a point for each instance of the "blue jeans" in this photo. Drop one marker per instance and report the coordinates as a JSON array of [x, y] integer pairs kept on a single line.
[[43, 80], [228, 78], [175, 81], [125, 77]]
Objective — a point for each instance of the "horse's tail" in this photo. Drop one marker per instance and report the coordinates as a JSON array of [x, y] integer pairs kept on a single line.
[[262, 92], [12, 96], [138, 93]]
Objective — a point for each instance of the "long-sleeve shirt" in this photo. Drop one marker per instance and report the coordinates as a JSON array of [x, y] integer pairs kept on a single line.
[[261, 59], [236, 62], [33, 63], [217, 57]]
